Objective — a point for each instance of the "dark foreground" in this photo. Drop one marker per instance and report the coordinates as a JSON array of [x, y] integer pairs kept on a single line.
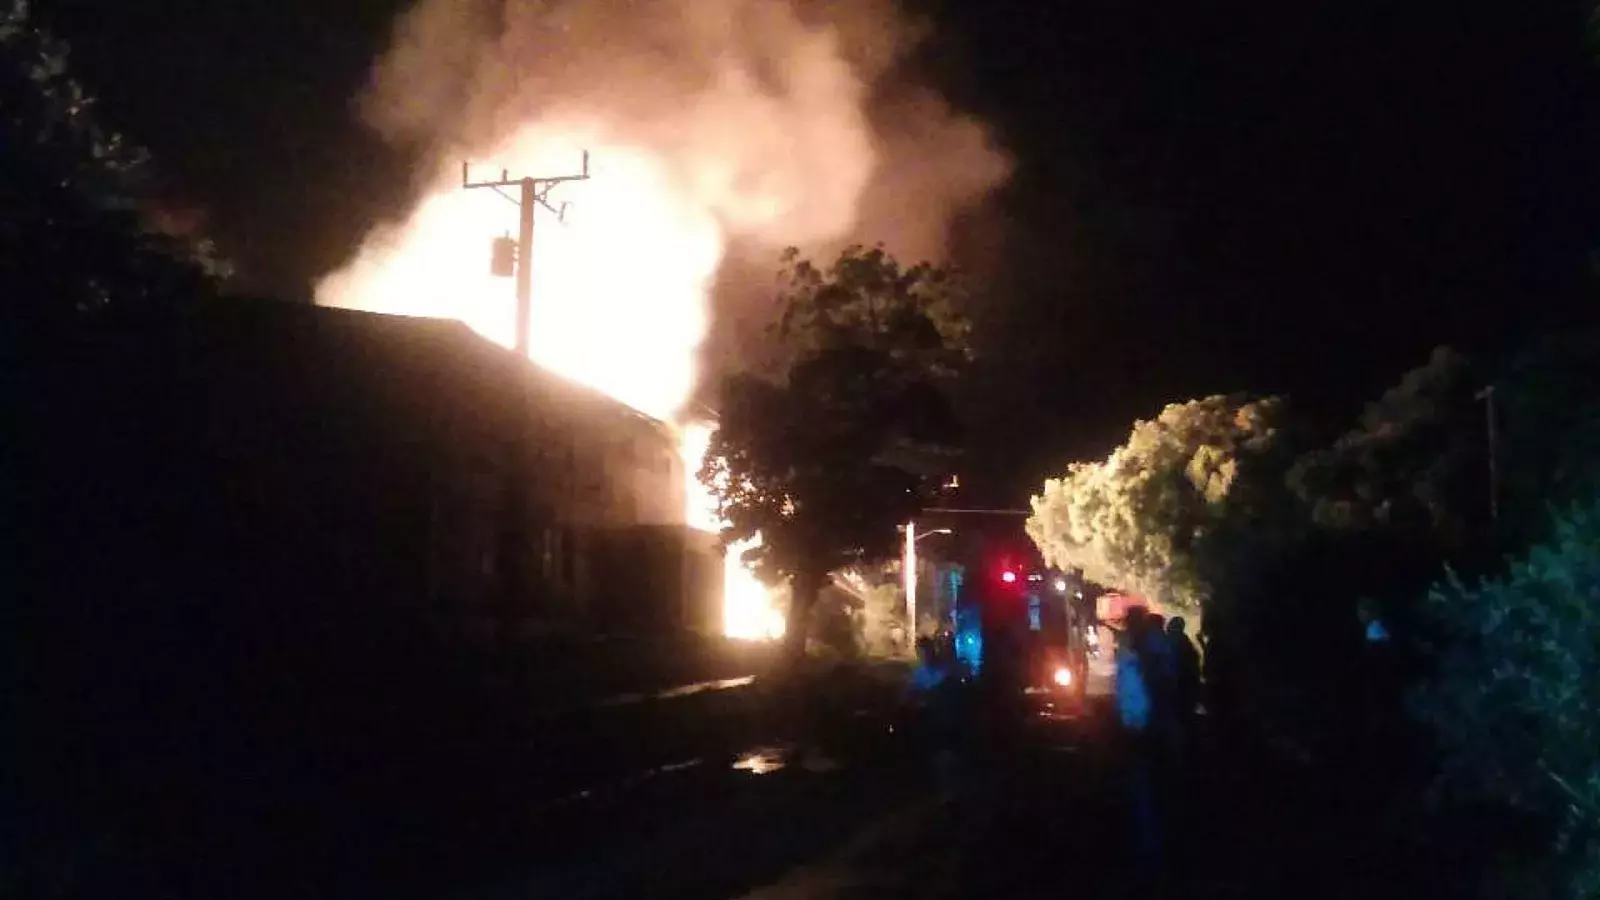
[[724, 792], [1040, 812]]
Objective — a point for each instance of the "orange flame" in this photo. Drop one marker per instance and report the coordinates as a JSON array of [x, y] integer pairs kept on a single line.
[[749, 610], [619, 287], [706, 120]]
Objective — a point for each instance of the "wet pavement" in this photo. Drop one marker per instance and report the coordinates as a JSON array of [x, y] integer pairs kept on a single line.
[[705, 832], [863, 815], [717, 825], [730, 792], [1039, 820], [1041, 813]]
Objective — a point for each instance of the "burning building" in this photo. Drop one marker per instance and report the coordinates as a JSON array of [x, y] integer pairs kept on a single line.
[[720, 132], [365, 456]]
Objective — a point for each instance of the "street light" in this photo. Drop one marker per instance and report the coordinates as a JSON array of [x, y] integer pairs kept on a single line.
[[909, 565]]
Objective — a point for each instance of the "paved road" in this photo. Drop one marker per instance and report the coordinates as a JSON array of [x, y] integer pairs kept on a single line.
[[701, 796], [863, 817], [1042, 815], [1040, 819], [749, 807], [1048, 819]]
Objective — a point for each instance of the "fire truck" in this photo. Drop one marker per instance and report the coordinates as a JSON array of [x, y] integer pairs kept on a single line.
[[1023, 625]]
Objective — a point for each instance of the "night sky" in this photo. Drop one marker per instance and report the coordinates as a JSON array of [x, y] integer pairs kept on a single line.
[[1232, 195]]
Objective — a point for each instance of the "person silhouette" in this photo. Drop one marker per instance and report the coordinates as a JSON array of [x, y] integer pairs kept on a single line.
[[1187, 659]]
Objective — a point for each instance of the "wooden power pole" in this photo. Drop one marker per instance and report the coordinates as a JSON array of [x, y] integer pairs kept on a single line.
[[513, 556]]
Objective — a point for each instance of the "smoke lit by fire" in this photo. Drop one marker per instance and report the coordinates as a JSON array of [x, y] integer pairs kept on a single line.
[[710, 124]]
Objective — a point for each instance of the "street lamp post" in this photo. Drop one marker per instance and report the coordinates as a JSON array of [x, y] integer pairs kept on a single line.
[[909, 565]]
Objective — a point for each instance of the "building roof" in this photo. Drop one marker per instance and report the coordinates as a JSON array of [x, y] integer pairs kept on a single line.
[[271, 327]]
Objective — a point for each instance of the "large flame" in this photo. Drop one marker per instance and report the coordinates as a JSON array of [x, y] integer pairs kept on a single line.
[[749, 610], [707, 121], [620, 285], [700, 509]]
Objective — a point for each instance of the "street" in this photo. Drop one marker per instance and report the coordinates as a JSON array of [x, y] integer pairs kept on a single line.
[[722, 790], [727, 790], [861, 816], [1044, 815]]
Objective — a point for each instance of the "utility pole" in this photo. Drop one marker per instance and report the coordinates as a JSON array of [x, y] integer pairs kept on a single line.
[[535, 192], [910, 566], [1487, 396], [513, 568]]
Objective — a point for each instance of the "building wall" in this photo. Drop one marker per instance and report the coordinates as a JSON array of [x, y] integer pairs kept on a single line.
[[602, 469], [607, 547], [281, 448]]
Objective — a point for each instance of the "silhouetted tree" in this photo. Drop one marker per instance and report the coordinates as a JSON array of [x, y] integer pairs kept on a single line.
[[1547, 404], [825, 455], [1515, 705], [1414, 470], [74, 239]]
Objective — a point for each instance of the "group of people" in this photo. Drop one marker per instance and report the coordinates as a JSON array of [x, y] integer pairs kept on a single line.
[[1157, 676], [939, 691], [1158, 696]]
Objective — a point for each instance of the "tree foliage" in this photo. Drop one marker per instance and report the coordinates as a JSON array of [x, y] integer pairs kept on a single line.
[[826, 455], [1156, 516], [1547, 398], [1415, 467], [912, 316], [1285, 551], [869, 618], [74, 239], [1515, 703]]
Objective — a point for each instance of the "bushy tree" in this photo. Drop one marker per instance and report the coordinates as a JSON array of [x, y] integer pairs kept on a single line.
[[876, 609], [1414, 470], [1515, 702], [1164, 514], [1409, 488], [74, 238], [825, 455], [1547, 403]]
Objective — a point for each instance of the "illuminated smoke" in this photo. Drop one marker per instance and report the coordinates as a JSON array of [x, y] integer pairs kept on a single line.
[[711, 124]]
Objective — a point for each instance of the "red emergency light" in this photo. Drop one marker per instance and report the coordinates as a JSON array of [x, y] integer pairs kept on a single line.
[[1008, 576]]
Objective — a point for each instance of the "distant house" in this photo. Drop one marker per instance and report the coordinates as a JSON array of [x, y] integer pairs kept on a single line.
[[259, 447]]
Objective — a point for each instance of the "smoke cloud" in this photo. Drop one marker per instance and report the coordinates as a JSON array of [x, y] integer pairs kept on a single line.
[[734, 127]]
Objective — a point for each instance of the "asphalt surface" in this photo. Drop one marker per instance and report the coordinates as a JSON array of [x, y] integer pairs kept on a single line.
[[855, 808], [720, 810], [730, 791], [1042, 811], [1038, 818]]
